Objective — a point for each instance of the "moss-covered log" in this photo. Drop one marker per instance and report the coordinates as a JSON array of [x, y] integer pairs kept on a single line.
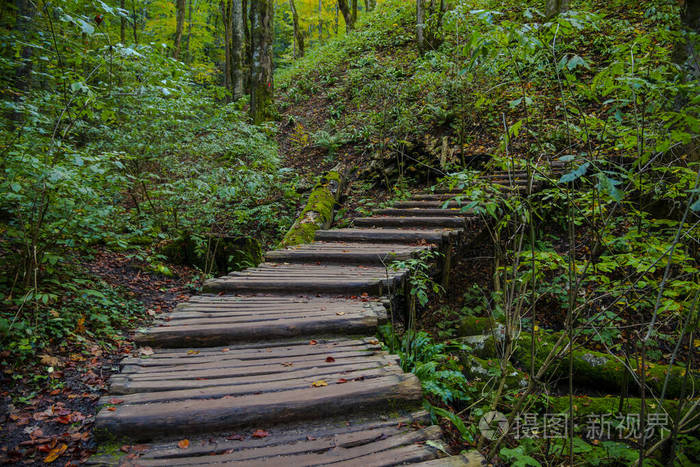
[[585, 405], [590, 368], [318, 212]]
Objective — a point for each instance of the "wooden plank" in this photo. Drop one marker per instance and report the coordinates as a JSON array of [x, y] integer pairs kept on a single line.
[[120, 385], [381, 446], [385, 235], [290, 434], [425, 212], [332, 286], [428, 221], [211, 392], [260, 355], [195, 416], [223, 362], [240, 371]]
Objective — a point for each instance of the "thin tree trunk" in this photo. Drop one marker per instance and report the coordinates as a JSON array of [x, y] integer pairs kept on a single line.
[[237, 49], [134, 22], [367, 5], [122, 23], [354, 12], [347, 16], [298, 36], [179, 26], [261, 80], [420, 25], [23, 73], [320, 20], [336, 18], [226, 8], [188, 55]]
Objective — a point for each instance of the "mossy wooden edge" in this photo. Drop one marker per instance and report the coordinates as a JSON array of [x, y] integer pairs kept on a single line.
[[319, 209]]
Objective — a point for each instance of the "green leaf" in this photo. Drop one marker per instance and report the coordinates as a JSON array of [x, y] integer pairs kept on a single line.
[[85, 27], [696, 206], [577, 61], [575, 174]]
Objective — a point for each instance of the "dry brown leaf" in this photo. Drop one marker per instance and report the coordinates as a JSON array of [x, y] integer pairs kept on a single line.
[[260, 434], [183, 443], [340, 313], [330, 359], [48, 360], [55, 453]]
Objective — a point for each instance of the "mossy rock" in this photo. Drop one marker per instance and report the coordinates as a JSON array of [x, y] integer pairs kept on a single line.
[[485, 369]]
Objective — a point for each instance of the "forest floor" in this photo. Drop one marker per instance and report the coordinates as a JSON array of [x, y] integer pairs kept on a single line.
[[45, 415]]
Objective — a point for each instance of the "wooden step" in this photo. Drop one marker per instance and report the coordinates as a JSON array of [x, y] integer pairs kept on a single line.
[[425, 212], [182, 417], [344, 253], [428, 204], [411, 236], [308, 278], [413, 221], [335, 437]]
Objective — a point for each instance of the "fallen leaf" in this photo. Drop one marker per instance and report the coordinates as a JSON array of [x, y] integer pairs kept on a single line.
[[192, 352], [183, 443], [260, 434], [373, 342], [342, 380], [319, 383], [313, 342], [287, 364], [225, 350], [48, 360], [330, 359], [111, 409], [340, 313], [115, 401], [55, 453], [80, 326], [235, 437]]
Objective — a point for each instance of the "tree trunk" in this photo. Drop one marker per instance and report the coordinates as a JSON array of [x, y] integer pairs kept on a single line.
[[347, 16], [420, 25], [298, 36], [179, 26], [23, 73], [555, 7], [354, 12], [226, 9], [188, 55], [367, 8], [122, 23], [134, 22], [237, 49], [261, 80], [336, 18], [320, 20]]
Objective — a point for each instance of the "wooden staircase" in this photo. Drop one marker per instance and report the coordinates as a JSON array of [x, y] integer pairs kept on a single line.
[[277, 364]]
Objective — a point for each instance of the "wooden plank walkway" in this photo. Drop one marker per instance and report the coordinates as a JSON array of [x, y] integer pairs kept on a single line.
[[276, 365]]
